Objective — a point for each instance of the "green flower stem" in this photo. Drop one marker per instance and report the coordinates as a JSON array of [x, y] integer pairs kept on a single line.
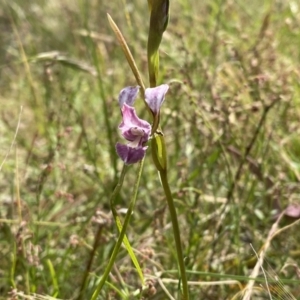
[[124, 227], [176, 232]]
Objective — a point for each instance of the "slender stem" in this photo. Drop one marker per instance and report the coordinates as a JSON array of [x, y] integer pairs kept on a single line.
[[18, 188], [124, 228], [176, 232], [90, 261]]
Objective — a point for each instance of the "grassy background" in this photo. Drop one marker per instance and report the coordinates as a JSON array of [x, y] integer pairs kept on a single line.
[[231, 120]]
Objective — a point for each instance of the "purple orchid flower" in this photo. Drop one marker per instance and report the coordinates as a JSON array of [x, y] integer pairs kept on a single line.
[[137, 131]]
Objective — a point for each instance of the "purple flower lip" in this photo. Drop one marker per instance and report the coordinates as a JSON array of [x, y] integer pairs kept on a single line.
[[137, 132], [132, 127], [130, 155]]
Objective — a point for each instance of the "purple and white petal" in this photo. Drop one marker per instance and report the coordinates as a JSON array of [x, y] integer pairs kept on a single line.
[[128, 95], [155, 97], [133, 127], [130, 155]]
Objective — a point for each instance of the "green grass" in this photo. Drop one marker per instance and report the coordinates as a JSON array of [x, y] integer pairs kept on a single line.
[[231, 123]]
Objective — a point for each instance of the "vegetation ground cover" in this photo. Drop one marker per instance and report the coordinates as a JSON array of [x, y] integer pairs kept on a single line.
[[231, 121]]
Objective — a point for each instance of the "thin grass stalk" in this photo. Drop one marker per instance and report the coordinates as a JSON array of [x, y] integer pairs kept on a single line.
[[126, 222], [90, 261], [127, 53]]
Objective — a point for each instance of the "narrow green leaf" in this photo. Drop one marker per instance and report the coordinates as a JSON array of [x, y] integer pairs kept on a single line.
[[53, 277], [130, 251]]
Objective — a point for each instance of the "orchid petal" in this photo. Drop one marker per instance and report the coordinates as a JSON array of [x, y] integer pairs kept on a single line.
[[155, 97], [128, 95], [132, 127], [130, 155]]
